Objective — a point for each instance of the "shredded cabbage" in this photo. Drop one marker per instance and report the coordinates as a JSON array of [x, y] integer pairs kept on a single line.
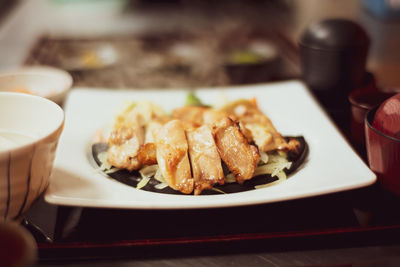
[[103, 159], [279, 157], [161, 186], [277, 162], [217, 190], [158, 176], [146, 173], [149, 170], [272, 168], [112, 170], [281, 175], [264, 157], [106, 167], [143, 182], [275, 165]]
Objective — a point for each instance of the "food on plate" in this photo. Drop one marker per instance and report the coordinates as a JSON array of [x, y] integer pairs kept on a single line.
[[128, 135], [258, 126], [204, 158], [240, 157], [125, 143], [197, 148], [172, 156]]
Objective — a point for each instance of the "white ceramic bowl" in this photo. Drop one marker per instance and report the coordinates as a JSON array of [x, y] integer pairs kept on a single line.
[[48, 82], [30, 127]]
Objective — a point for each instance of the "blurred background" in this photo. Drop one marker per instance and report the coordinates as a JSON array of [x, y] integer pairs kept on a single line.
[[185, 43]]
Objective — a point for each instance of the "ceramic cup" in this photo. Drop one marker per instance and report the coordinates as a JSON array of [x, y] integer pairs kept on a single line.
[[30, 127], [383, 155]]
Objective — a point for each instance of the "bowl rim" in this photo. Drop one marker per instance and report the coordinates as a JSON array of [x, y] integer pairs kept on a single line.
[[42, 70], [353, 95], [369, 117], [53, 131]]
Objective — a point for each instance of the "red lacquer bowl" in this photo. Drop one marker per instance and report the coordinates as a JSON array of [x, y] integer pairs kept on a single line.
[[383, 155], [361, 102]]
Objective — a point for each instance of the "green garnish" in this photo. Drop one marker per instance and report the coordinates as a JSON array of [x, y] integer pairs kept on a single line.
[[244, 57], [193, 100]]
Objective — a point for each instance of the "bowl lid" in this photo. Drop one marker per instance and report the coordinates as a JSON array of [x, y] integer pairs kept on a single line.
[[334, 34]]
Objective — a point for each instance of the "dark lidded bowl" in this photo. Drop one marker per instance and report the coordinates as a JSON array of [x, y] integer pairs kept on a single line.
[[333, 55]]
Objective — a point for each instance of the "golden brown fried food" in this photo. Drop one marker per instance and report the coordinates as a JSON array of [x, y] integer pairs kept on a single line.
[[172, 156], [124, 144], [147, 154], [259, 127], [205, 160], [240, 157]]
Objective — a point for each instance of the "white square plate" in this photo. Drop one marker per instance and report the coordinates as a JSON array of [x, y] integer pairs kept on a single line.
[[331, 166]]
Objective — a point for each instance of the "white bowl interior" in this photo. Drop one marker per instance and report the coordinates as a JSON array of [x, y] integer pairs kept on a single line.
[[30, 116], [42, 81]]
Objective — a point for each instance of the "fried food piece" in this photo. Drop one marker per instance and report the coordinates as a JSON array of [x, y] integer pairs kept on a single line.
[[205, 160], [128, 135], [211, 116], [152, 129], [240, 157], [196, 116], [124, 144], [259, 127], [172, 156], [192, 115], [147, 154]]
